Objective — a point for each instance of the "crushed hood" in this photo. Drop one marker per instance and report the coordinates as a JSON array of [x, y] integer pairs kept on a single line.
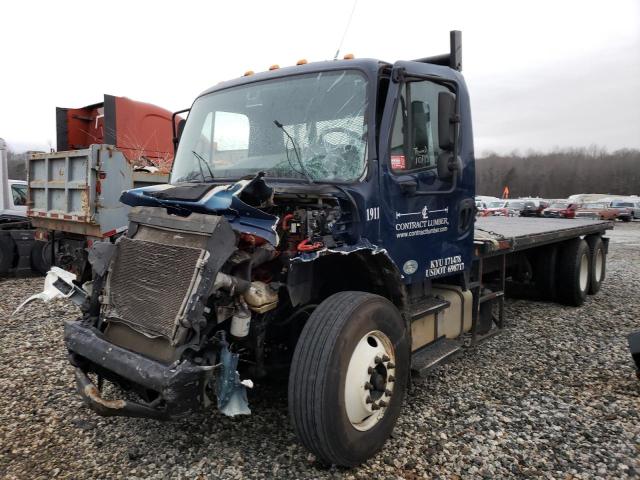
[[216, 200]]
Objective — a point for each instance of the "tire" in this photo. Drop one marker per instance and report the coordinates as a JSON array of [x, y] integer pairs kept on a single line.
[[573, 272], [544, 272], [598, 269], [323, 360], [7, 253], [485, 319], [41, 257]]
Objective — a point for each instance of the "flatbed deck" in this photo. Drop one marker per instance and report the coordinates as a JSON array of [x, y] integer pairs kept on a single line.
[[499, 235]]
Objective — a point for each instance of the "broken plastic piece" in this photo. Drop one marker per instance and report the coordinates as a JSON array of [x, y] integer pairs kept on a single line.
[[231, 392], [146, 168], [57, 284]]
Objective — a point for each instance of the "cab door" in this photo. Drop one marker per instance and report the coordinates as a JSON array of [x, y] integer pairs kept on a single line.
[[427, 173]]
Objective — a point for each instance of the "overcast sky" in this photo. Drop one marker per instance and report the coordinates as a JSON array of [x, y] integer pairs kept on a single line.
[[542, 74]]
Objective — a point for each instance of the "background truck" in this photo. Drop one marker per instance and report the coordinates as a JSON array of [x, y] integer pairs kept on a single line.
[[16, 234], [72, 198], [319, 219]]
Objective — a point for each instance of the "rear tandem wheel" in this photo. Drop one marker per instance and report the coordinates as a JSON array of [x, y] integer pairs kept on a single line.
[[574, 271]]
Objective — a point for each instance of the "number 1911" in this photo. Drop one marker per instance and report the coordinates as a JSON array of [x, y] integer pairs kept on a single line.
[[373, 213]]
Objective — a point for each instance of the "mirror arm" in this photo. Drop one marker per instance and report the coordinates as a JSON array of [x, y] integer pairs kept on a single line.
[[175, 138]]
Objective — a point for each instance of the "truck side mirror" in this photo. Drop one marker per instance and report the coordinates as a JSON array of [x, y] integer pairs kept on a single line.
[[180, 128], [447, 119], [177, 127], [448, 166]]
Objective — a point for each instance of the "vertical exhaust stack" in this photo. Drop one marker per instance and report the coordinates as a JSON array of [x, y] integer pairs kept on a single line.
[[453, 59], [455, 50]]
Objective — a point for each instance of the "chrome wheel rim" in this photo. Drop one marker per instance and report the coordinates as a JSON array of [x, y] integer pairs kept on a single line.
[[370, 380]]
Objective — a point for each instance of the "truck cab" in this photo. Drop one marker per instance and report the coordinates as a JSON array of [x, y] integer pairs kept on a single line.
[[15, 204], [13, 193], [15, 236]]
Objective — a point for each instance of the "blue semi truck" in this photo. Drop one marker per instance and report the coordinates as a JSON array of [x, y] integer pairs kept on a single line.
[[319, 221]]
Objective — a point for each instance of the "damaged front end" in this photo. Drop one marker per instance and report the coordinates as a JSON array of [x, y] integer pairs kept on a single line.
[[209, 286], [150, 326]]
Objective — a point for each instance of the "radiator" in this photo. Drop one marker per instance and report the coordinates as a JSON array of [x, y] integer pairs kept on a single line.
[[149, 285]]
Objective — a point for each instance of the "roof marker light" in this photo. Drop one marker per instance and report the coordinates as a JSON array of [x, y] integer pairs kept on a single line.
[[302, 61], [248, 73], [349, 56], [275, 66]]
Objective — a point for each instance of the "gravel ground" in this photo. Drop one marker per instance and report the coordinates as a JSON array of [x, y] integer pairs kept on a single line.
[[553, 396]]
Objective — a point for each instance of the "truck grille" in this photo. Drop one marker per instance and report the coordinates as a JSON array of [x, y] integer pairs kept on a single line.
[[149, 285]]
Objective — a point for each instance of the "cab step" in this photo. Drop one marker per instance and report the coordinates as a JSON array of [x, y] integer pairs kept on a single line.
[[427, 357], [426, 307]]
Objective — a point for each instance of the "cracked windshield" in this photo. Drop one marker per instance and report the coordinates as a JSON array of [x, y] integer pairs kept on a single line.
[[310, 127]]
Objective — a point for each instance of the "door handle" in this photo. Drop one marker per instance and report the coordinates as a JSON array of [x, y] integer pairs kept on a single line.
[[466, 214], [409, 186]]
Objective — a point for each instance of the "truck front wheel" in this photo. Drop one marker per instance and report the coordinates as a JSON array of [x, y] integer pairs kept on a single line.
[[574, 271], [348, 377]]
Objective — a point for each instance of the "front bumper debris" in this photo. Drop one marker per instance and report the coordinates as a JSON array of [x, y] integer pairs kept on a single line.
[[180, 388]]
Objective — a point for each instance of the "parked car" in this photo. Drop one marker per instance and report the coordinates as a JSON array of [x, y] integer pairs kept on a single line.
[[481, 207], [533, 208], [514, 207], [624, 208], [601, 211], [636, 210], [561, 210], [495, 208]]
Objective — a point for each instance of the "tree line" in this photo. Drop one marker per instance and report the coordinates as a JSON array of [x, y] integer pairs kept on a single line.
[[555, 174], [559, 173]]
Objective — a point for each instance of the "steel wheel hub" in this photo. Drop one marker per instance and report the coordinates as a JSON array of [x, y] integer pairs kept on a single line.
[[584, 272], [370, 380], [599, 265]]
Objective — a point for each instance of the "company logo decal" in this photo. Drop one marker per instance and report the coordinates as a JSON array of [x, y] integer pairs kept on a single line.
[[426, 222]]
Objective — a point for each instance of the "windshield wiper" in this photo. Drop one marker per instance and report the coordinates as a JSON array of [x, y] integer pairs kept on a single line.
[[206, 164], [295, 149]]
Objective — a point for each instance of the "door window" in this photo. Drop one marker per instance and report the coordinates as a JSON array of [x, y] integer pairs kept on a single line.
[[19, 193], [414, 139]]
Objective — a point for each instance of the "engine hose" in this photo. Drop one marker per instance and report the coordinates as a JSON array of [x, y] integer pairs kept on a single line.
[[285, 221], [306, 309], [305, 246], [231, 283]]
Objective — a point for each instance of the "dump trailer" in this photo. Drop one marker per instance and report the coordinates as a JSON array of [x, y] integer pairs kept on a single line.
[[319, 221], [73, 195], [16, 234]]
